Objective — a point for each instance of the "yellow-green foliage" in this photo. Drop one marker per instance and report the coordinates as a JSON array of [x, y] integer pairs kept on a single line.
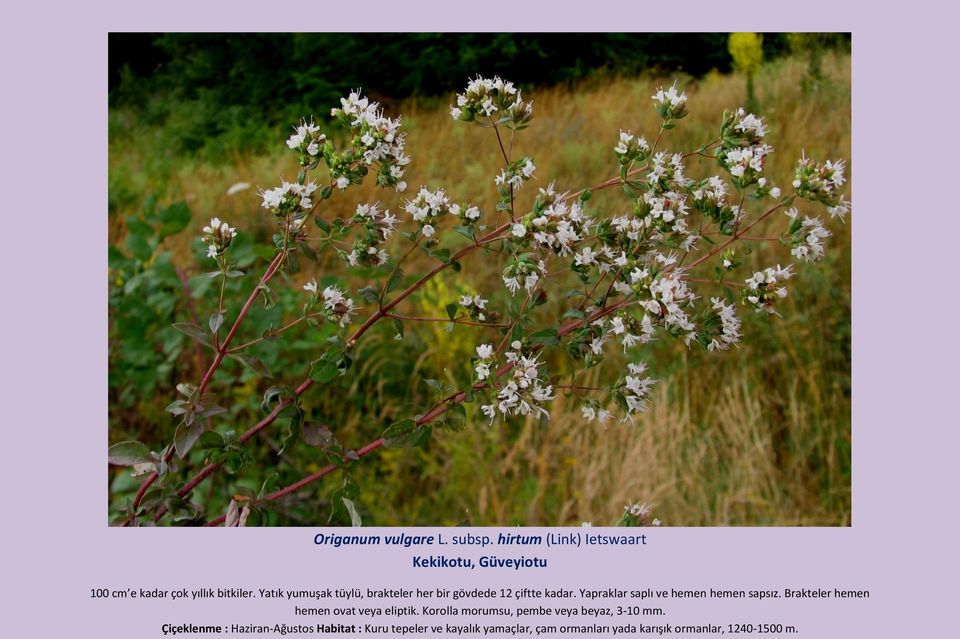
[[758, 435], [747, 51]]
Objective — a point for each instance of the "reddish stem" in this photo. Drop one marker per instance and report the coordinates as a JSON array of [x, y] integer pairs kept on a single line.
[[221, 351], [429, 416]]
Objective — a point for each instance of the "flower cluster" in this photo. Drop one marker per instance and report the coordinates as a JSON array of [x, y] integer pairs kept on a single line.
[[666, 172], [631, 148], [522, 270], [762, 290], [821, 182], [307, 140], [742, 151], [742, 129], [378, 227], [468, 215], [515, 174], [605, 260], [555, 223], [721, 327], [475, 306], [337, 307], [638, 514], [630, 330], [746, 164], [427, 208], [630, 392], [290, 200], [665, 296], [590, 412], [483, 362], [807, 236], [665, 215], [709, 197], [495, 99], [525, 392], [217, 236], [670, 104], [376, 140]]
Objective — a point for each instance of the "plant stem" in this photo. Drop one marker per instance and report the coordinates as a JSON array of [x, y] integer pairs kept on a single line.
[[221, 351]]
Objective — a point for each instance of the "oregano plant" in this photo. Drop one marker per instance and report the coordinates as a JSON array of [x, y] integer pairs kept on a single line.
[[665, 264]]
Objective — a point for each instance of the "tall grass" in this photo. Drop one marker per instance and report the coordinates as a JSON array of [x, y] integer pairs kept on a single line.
[[757, 436]]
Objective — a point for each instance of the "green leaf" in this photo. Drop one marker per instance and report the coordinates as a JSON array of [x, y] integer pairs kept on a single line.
[[452, 311], [192, 330], [434, 384], [186, 436], [128, 453], [235, 274], [442, 254], [323, 371], [210, 440], [398, 326], [316, 434], [178, 407], [546, 337], [289, 430], [253, 363], [186, 389], [330, 364], [174, 219], [322, 224], [275, 394], [139, 246], [216, 321], [406, 434], [465, 231], [352, 509], [455, 417], [396, 277], [370, 294]]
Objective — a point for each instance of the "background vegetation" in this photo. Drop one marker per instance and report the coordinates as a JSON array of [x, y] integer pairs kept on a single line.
[[756, 436]]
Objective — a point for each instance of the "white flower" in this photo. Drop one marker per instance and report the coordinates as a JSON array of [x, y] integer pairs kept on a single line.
[[585, 257], [840, 210], [428, 230], [343, 182], [589, 413], [310, 286], [485, 351], [749, 123], [528, 169], [490, 411], [670, 97], [338, 307], [518, 230]]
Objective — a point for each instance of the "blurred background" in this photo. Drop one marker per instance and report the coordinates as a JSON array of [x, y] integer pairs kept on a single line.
[[759, 435]]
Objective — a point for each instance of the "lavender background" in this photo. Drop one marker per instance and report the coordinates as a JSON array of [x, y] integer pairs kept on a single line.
[[54, 155]]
